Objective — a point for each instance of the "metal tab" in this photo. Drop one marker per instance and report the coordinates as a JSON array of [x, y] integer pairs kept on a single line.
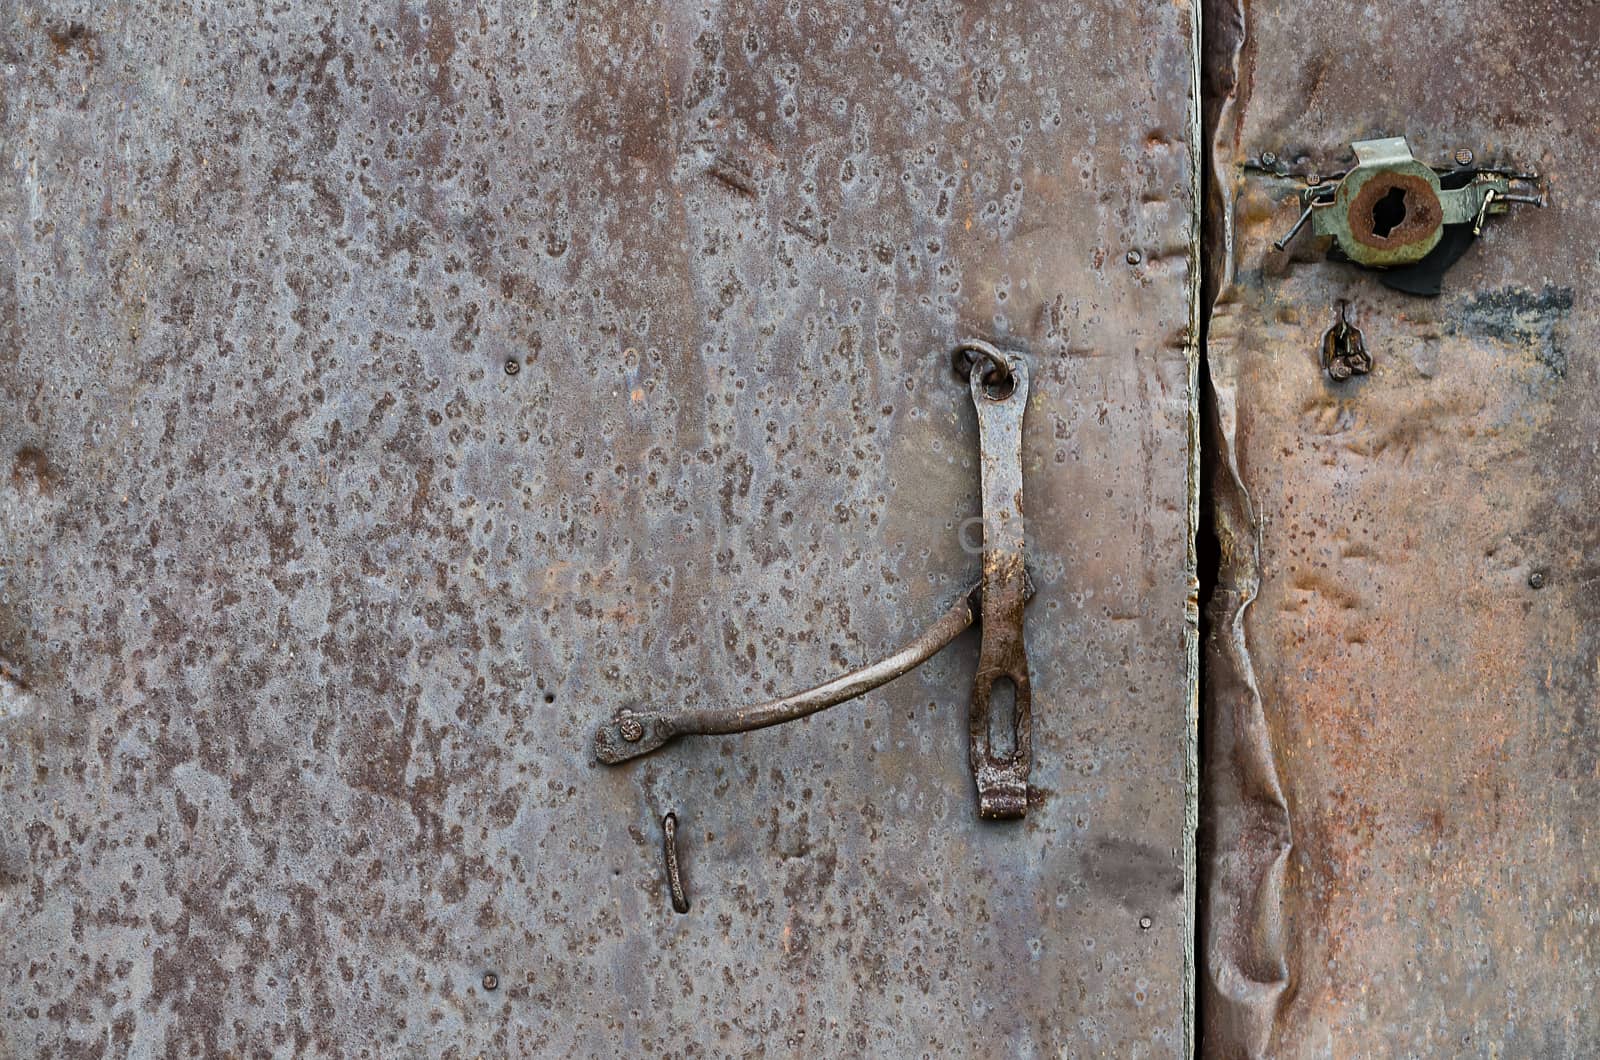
[[1000, 393]]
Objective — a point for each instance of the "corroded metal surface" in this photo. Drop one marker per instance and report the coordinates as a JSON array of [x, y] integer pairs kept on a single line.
[[313, 606], [1404, 755]]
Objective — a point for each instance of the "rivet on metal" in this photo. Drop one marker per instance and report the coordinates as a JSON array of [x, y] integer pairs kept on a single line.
[[512, 366], [1145, 923], [1463, 156], [630, 728], [491, 981], [1536, 580], [1269, 159], [1134, 257], [669, 846]]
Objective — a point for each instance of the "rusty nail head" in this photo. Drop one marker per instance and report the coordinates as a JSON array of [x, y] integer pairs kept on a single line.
[[1463, 156], [491, 981], [512, 367], [631, 728], [1536, 580]]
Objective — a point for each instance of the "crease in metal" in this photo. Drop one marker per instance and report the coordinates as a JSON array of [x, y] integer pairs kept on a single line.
[[1247, 832], [1191, 563]]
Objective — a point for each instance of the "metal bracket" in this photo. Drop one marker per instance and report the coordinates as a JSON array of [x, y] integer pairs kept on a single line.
[[1000, 394], [1391, 210]]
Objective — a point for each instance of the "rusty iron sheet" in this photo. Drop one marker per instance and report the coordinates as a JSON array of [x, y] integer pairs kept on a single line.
[[390, 393], [1402, 756]]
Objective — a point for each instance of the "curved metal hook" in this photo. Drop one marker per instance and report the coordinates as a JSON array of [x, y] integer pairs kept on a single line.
[[631, 733]]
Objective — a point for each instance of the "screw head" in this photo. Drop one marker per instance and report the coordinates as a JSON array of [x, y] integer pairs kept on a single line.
[[512, 366], [1536, 580], [1268, 158], [1144, 923], [1463, 156], [1134, 257], [631, 728], [491, 981]]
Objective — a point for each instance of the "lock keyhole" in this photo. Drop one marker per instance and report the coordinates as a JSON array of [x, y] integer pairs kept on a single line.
[[1389, 212]]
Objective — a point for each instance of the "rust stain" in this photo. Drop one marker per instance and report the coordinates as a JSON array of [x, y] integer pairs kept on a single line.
[[1426, 682]]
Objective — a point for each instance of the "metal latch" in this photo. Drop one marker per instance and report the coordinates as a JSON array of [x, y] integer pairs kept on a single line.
[[1392, 210], [999, 385]]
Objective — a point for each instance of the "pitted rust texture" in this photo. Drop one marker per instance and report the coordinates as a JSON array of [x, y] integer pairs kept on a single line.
[[315, 606], [1424, 882]]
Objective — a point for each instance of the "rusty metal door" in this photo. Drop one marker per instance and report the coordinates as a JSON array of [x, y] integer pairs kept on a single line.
[[390, 395], [1403, 660]]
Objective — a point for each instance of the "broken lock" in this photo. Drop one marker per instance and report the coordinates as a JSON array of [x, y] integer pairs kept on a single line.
[[999, 385], [1393, 212], [1344, 351]]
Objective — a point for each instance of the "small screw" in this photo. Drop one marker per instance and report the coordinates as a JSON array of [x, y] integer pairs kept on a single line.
[[1313, 179], [512, 367], [631, 728], [1134, 257], [1536, 580], [1269, 159], [1463, 156], [491, 981], [1144, 923]]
